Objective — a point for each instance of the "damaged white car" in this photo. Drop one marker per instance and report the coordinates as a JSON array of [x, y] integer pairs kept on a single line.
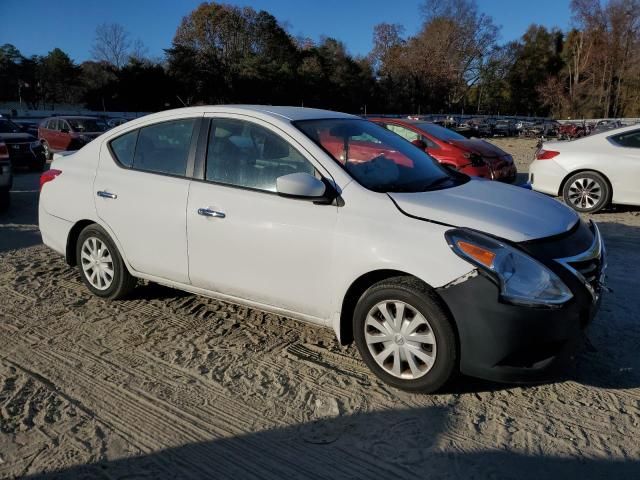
[[329, 218]]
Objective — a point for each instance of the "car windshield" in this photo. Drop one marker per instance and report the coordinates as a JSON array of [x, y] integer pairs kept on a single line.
[[87, 125], [7, 126], [378, 159], [439, 132]]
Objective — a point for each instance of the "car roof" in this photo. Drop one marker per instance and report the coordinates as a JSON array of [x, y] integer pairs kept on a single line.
[[73, 117], [280, 112]]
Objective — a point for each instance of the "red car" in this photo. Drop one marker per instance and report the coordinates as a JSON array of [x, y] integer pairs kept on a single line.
[[58, 134], [569, 131], [472, 156]]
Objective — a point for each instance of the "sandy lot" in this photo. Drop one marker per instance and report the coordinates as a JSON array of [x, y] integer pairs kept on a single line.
[[171, 385]]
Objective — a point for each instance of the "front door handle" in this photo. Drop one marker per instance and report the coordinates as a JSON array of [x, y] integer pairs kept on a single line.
[[104, 194], [207, 212]]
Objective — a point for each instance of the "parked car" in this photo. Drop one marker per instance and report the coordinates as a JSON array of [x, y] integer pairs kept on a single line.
[[28, 125], [605, 126], [473, 157], [569, 131], [331, 219], [59, 134], [591, 172], [504, 128], [24, 149], [6, 176], [114, 122]]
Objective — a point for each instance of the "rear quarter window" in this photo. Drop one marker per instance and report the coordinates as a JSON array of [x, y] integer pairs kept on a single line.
[[124, 147]]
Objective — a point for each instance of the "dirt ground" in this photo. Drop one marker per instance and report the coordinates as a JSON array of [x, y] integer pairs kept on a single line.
[[172, 385]]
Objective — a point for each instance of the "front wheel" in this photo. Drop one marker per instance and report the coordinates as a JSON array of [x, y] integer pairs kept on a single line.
[[101, 266], [586, 192], [404, 335]]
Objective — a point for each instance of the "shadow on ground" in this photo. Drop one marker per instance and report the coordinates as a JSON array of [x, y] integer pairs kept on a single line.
[[388, 444]]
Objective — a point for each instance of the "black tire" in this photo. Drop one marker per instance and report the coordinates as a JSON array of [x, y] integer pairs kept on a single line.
[[424, 300], [592, 182], [5, 200], [122, 281]]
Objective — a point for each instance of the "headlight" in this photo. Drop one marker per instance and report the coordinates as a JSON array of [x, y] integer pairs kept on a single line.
[[36, 144], [522, 279]]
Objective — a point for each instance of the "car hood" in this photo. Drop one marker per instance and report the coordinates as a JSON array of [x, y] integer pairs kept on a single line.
[[505, 211], [482, 148], [17, 138]]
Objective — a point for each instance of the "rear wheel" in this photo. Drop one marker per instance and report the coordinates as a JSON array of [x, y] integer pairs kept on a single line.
[[586, 192], [101, 266], [404, 335]]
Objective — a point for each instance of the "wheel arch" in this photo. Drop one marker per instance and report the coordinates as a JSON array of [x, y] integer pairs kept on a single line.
[[72, 240], [585, 170], [74, 234], [365, 281]]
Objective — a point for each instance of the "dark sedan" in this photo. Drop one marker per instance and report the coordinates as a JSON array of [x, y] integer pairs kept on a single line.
[[24, 149]]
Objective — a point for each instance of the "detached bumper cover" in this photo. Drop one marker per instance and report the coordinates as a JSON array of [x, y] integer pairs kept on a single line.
[[511, 343]]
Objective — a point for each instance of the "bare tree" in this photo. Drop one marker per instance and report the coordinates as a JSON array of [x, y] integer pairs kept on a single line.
[[111, 44]]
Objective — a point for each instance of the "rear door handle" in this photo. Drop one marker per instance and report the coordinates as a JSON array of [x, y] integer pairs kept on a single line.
[[207, 212], [103, 194]]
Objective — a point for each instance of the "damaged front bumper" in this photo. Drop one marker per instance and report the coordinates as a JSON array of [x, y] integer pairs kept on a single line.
[[511, 343]]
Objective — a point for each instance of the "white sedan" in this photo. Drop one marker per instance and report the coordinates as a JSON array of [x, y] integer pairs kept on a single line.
[[334, 220], [591, 172]]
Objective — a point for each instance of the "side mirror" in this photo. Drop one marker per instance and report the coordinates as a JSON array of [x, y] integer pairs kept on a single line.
[[302, 186], [419, 143]]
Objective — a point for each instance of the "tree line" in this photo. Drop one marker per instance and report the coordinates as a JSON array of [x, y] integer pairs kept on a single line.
[[455, 64]]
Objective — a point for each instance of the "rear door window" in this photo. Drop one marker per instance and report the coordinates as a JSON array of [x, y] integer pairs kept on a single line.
[[628, 139], [403, 132], [164, 147]]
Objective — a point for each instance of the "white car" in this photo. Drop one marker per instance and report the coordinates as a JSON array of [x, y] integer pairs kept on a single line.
[[331, 219], [591, 172]]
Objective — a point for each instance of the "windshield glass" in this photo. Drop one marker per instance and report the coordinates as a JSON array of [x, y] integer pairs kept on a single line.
[[439, 132], [377, 158], [7, 126], [87, 125]]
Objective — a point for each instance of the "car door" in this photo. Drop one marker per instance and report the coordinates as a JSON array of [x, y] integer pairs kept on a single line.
[[141, 189], [64, 134], [245, 240], [54, 135], [624, 169]]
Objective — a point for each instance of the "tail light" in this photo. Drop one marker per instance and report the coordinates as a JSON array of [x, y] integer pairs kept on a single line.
[[543, 154], [4, 151], [48, 176]]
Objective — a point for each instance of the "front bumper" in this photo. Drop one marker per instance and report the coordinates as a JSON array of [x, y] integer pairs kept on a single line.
[[513, 343], [510, 343]]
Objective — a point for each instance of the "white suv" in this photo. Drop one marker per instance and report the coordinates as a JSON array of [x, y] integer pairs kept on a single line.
[[331, 219]]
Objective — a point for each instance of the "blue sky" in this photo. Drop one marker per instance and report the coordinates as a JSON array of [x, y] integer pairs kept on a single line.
[[38, 26]]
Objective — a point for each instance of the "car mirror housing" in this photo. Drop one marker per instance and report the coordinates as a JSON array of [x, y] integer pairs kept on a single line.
[[301, 185]]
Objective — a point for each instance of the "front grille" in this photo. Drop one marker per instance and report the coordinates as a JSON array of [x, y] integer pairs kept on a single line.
[[590, 271], [590, 265]]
